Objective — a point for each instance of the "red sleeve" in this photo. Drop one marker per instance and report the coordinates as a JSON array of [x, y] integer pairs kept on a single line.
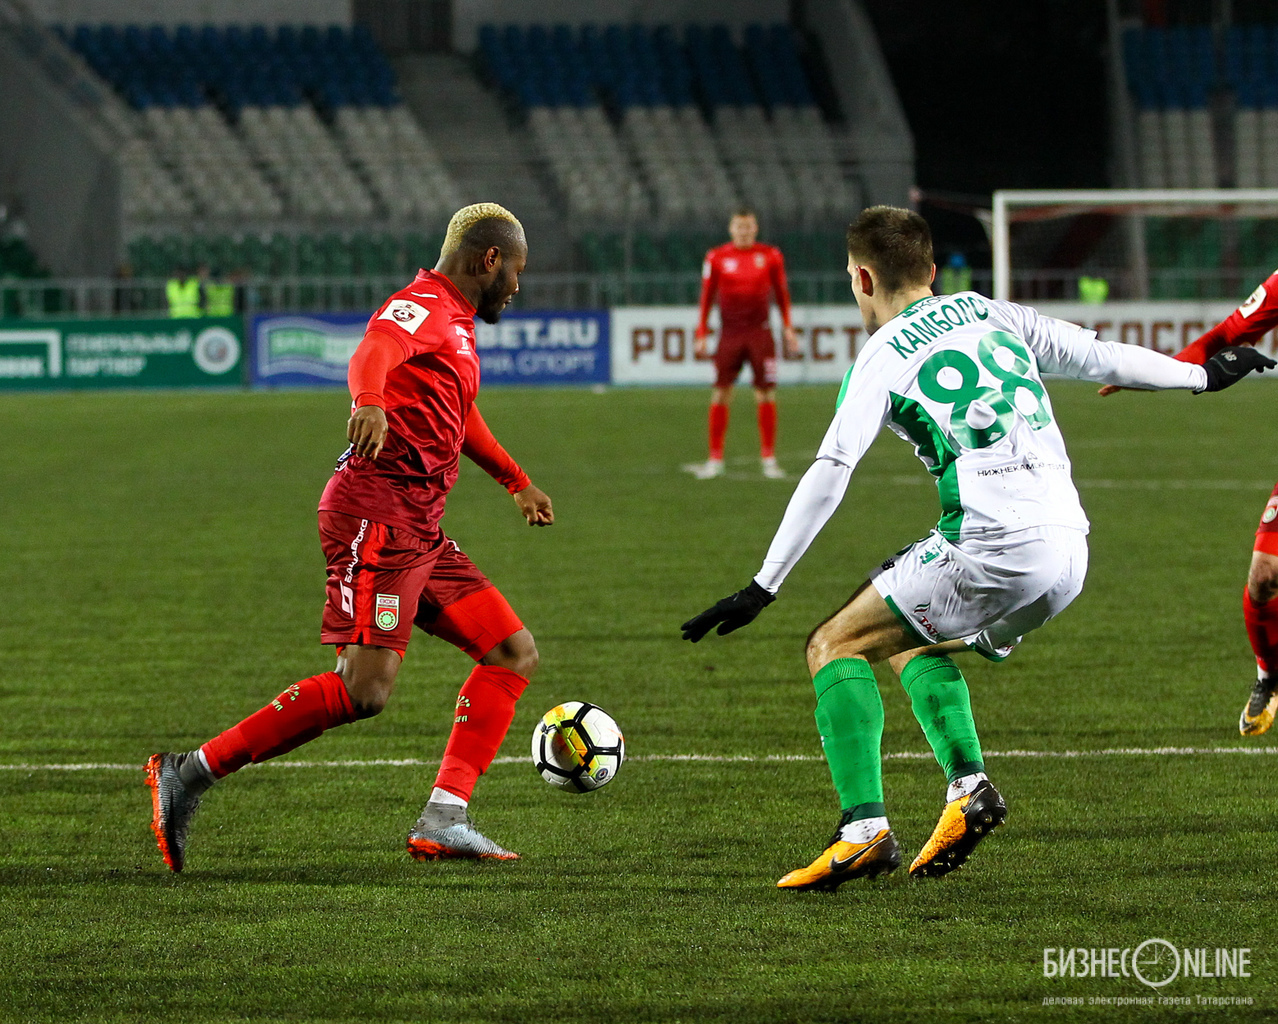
[[378, 353], [1244, 326], [411, 324], [709, 285], [779, 286], [482, 449]]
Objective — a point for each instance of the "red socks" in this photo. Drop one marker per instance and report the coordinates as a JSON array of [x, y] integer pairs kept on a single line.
[[767, 429], [1262, 631], [296, 716], [767, 412], [485, 709], [718, 429]]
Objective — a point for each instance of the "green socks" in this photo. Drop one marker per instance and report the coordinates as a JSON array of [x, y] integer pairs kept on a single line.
[[938, 694], [849, 716]]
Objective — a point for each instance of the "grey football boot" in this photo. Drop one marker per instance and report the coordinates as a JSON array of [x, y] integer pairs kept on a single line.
[[173, 806], [445, 832]]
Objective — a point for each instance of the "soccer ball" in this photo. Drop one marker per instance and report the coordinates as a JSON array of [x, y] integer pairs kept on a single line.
[[577, 746]]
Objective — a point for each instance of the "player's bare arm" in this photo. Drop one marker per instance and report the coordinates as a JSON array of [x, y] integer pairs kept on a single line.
[[535, 505], [366, 430], [791, 337]]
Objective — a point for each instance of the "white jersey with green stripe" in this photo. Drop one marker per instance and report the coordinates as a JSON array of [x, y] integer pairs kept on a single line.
[[960, 378]]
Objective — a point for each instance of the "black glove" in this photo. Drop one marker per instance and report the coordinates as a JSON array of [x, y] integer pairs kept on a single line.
[[731, 613], [1232, 364]]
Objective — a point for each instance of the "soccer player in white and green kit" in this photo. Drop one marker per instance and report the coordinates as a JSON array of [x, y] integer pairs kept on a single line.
[[960, 378]]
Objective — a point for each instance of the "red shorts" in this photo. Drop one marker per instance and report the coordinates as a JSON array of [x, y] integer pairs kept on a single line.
[[383, 580], [735, 347], [1267, 532]]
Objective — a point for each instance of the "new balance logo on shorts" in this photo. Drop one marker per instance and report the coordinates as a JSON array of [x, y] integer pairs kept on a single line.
[[386, 613]]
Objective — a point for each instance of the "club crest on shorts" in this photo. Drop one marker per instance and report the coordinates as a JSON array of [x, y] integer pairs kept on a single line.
[[386, 612]]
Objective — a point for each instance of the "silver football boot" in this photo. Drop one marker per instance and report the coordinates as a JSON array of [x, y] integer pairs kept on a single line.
[[445, 832], [172, 808]]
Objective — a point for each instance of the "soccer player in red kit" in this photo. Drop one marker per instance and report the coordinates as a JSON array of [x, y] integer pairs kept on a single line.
[[743, 275], [1246, 326], [413, 381]]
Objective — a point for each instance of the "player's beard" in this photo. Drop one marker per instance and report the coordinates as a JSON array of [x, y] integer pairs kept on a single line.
[[492, 300]]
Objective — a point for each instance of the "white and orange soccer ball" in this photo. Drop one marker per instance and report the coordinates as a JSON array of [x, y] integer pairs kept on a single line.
[[577, 746]]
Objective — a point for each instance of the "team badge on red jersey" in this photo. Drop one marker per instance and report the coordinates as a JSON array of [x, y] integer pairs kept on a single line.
[[1253, 302], [386, 614], [408, 314]]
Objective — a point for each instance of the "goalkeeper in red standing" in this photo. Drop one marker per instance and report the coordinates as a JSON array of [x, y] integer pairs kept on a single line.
[[743, 276], [1246, 326], [413, 381]]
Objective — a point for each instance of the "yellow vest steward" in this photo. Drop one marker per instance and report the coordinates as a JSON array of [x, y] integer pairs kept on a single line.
[[219, 300], [183, 296]]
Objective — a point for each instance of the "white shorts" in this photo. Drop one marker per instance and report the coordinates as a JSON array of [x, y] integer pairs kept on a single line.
[[986, 592]]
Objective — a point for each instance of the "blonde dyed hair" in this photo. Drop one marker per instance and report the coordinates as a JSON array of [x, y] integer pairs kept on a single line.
[[467, 217]]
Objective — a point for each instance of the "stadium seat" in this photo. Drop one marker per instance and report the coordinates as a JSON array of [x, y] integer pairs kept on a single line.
[[192, 84], [1172, 76], [685, 114]]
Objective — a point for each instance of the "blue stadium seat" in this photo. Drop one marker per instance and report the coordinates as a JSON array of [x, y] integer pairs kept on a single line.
[[634, 65], [188, 67]]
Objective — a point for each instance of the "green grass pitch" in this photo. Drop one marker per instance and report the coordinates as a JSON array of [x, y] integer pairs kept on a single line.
[[163, 579]]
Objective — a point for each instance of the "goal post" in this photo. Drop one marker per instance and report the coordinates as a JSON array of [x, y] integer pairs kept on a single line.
[[1133, 210]]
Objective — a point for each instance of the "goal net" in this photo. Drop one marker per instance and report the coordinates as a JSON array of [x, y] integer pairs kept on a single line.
[[1133, 244]]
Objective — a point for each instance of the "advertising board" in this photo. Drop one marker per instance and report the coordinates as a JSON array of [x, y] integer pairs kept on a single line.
[[654, 345], [48, 354], [523, 348]]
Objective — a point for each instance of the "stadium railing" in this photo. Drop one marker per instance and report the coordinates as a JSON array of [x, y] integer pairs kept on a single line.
[[100, 297]]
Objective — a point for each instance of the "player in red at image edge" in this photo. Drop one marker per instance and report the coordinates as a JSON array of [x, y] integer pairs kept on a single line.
[[413, 380], [743, 275], [1246, 326]]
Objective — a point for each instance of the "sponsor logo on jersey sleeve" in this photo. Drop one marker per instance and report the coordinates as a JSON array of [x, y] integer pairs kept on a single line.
[[1271, 511], [1253, 302], [705, 269], [408, 314], [386, 613]]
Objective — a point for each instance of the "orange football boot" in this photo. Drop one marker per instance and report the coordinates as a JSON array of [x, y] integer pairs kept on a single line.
[[964, 823], [842, 861], [1258, 715]]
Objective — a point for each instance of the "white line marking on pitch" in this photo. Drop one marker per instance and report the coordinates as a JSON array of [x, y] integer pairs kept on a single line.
[[1126, 485], [413, 762]]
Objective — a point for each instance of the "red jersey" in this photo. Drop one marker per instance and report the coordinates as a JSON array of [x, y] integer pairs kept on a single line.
[[427, 397], [1246, 325], [744, 279]]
